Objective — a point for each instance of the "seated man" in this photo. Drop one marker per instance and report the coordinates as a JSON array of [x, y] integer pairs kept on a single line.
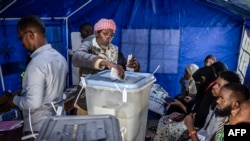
[[242, 115], [228, 105], [214, 118]]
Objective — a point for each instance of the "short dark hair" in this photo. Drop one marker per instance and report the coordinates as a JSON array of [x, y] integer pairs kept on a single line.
[[32, 21], [88, 26], [230, 76], [239, 91]]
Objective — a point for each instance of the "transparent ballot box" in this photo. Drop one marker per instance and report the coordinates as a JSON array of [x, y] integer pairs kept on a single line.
[[126, 99]]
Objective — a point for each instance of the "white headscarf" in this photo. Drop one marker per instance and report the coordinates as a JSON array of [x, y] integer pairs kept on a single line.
[[192, 68]]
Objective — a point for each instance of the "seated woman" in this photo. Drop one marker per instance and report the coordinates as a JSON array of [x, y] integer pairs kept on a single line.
[[188, 94], [209, 60]]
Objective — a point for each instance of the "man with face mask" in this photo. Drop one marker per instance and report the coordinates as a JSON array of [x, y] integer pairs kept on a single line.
[[100, 53]]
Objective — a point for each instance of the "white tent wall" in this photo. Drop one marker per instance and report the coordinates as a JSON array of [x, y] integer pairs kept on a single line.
[[243, 67]]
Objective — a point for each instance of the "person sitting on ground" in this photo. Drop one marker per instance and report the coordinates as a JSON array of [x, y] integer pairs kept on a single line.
[[100, 53]]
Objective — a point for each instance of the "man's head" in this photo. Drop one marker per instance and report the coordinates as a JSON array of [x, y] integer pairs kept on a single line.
[[206, 75], [86, 30], [224, 77], [230, 97], [242, 115], [104, 31], [31, 32]]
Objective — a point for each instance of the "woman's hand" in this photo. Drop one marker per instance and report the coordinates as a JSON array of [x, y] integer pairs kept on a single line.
[[133, 63], [120, 71], [118, 68]]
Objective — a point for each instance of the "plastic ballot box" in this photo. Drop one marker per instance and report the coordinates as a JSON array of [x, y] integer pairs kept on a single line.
[[80, 128], [126, 99]]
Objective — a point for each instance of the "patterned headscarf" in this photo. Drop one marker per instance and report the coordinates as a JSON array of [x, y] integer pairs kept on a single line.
[[105, 24]]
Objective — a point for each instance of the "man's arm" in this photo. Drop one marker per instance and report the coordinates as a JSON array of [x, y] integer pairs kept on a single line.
[[189, 122], [33, 90]]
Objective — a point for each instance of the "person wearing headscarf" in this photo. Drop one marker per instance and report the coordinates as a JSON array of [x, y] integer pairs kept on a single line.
[[100, 53], [175, 129], [170, 125], [189, 71], [184, 101]]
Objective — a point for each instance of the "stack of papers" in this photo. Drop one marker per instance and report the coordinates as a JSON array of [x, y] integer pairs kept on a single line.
[[10, 125]]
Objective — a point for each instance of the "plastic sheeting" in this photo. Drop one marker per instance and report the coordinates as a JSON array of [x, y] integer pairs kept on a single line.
[[13, 56], [202, 30], [199, 30]]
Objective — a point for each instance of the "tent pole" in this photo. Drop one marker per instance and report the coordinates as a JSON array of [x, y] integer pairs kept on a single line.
[[67, 30], [79, 9], [43, 18], [7, 6], [2, 81]]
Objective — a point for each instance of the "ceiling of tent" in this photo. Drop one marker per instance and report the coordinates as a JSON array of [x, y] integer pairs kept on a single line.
[[43, 8], [63, 8], [238, 7]]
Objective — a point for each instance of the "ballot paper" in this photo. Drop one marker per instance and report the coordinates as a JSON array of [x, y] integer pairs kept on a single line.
[[114, 74]]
